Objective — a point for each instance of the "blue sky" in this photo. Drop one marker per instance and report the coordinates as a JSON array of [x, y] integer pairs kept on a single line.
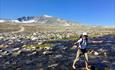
[[93, 12]]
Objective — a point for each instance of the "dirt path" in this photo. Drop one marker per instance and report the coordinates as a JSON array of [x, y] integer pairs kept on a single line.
[[21, 30]]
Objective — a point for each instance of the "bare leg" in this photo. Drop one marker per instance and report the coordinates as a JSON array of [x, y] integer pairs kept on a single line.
[[86, 61], [77, 58]]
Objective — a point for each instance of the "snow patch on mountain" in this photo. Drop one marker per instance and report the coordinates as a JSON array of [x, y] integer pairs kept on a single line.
[[16, 21], [29, 21], [47, 16], [1, 21]]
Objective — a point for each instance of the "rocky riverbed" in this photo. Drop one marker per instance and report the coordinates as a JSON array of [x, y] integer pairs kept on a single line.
[[60, 56]]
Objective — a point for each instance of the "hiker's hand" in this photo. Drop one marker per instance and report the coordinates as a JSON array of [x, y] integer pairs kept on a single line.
[[74, 46]]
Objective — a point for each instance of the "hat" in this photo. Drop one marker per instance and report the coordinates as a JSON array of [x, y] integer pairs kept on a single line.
[[84, 33]]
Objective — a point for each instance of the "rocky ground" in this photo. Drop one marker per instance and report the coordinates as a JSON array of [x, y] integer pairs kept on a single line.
[[14, 56]]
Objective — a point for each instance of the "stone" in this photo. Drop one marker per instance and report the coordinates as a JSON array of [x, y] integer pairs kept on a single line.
[[47, 52], [53, 65], [96, 53]]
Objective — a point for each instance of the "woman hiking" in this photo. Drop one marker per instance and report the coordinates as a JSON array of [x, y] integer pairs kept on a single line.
[[82, 49]]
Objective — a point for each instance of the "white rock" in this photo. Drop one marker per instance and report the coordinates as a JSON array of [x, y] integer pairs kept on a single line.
[[96, 53], [34, 38]]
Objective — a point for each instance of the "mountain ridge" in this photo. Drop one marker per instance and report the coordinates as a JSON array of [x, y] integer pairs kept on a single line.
[[44, 19]]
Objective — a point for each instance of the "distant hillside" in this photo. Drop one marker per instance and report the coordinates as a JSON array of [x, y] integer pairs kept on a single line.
[[49, 23]]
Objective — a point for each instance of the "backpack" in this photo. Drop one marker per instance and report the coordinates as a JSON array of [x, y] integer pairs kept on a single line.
[[81, 43]]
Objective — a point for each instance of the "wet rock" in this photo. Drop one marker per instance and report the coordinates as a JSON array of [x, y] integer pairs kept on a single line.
[[58, 56], [53, 65]]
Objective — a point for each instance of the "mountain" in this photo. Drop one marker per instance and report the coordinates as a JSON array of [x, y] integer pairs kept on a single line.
[[45, 19], [46, 23]]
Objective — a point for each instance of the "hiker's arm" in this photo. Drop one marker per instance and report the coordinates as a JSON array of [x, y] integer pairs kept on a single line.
[[77, 42], [95, 42]]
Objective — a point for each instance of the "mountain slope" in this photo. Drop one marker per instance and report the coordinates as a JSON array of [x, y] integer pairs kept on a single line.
[[45, 19]]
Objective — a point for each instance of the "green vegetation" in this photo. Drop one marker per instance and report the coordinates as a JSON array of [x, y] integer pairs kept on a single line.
[[45, 46], [16, 53], [29, 47], [34, 47]]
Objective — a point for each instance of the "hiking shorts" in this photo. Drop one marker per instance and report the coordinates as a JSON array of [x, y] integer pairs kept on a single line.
[[82, 52]]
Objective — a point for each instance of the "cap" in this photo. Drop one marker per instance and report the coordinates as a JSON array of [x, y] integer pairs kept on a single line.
[[84, 33]]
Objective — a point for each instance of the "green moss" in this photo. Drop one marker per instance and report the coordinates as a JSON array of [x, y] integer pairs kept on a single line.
[[34, 47], [29, 47], [46, 45], [16, 53]]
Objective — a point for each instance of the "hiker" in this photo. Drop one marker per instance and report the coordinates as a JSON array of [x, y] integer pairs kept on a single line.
[[81, 44]]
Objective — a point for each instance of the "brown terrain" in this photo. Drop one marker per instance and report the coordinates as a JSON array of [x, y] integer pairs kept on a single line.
[[46, 47]]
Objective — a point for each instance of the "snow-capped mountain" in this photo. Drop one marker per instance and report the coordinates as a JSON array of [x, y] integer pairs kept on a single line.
[[45, 19]]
